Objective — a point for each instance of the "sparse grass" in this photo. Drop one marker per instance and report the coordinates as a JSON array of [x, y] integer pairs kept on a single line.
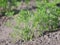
[[30, 24]]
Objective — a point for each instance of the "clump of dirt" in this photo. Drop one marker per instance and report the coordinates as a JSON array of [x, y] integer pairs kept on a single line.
[[4, 32]]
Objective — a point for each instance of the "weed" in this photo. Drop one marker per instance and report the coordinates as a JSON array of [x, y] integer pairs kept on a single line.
[[32, 23]]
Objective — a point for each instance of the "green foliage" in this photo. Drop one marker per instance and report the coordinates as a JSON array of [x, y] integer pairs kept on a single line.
[[3, 3], [45, 17], [6, 6]]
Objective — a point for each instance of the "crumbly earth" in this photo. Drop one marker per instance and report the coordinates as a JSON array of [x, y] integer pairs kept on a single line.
[[51, 38]]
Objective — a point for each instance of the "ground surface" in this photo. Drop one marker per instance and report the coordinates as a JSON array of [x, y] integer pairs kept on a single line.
[[51, 38]]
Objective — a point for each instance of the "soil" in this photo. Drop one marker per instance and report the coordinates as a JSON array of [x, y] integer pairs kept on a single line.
[[51, 38]]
